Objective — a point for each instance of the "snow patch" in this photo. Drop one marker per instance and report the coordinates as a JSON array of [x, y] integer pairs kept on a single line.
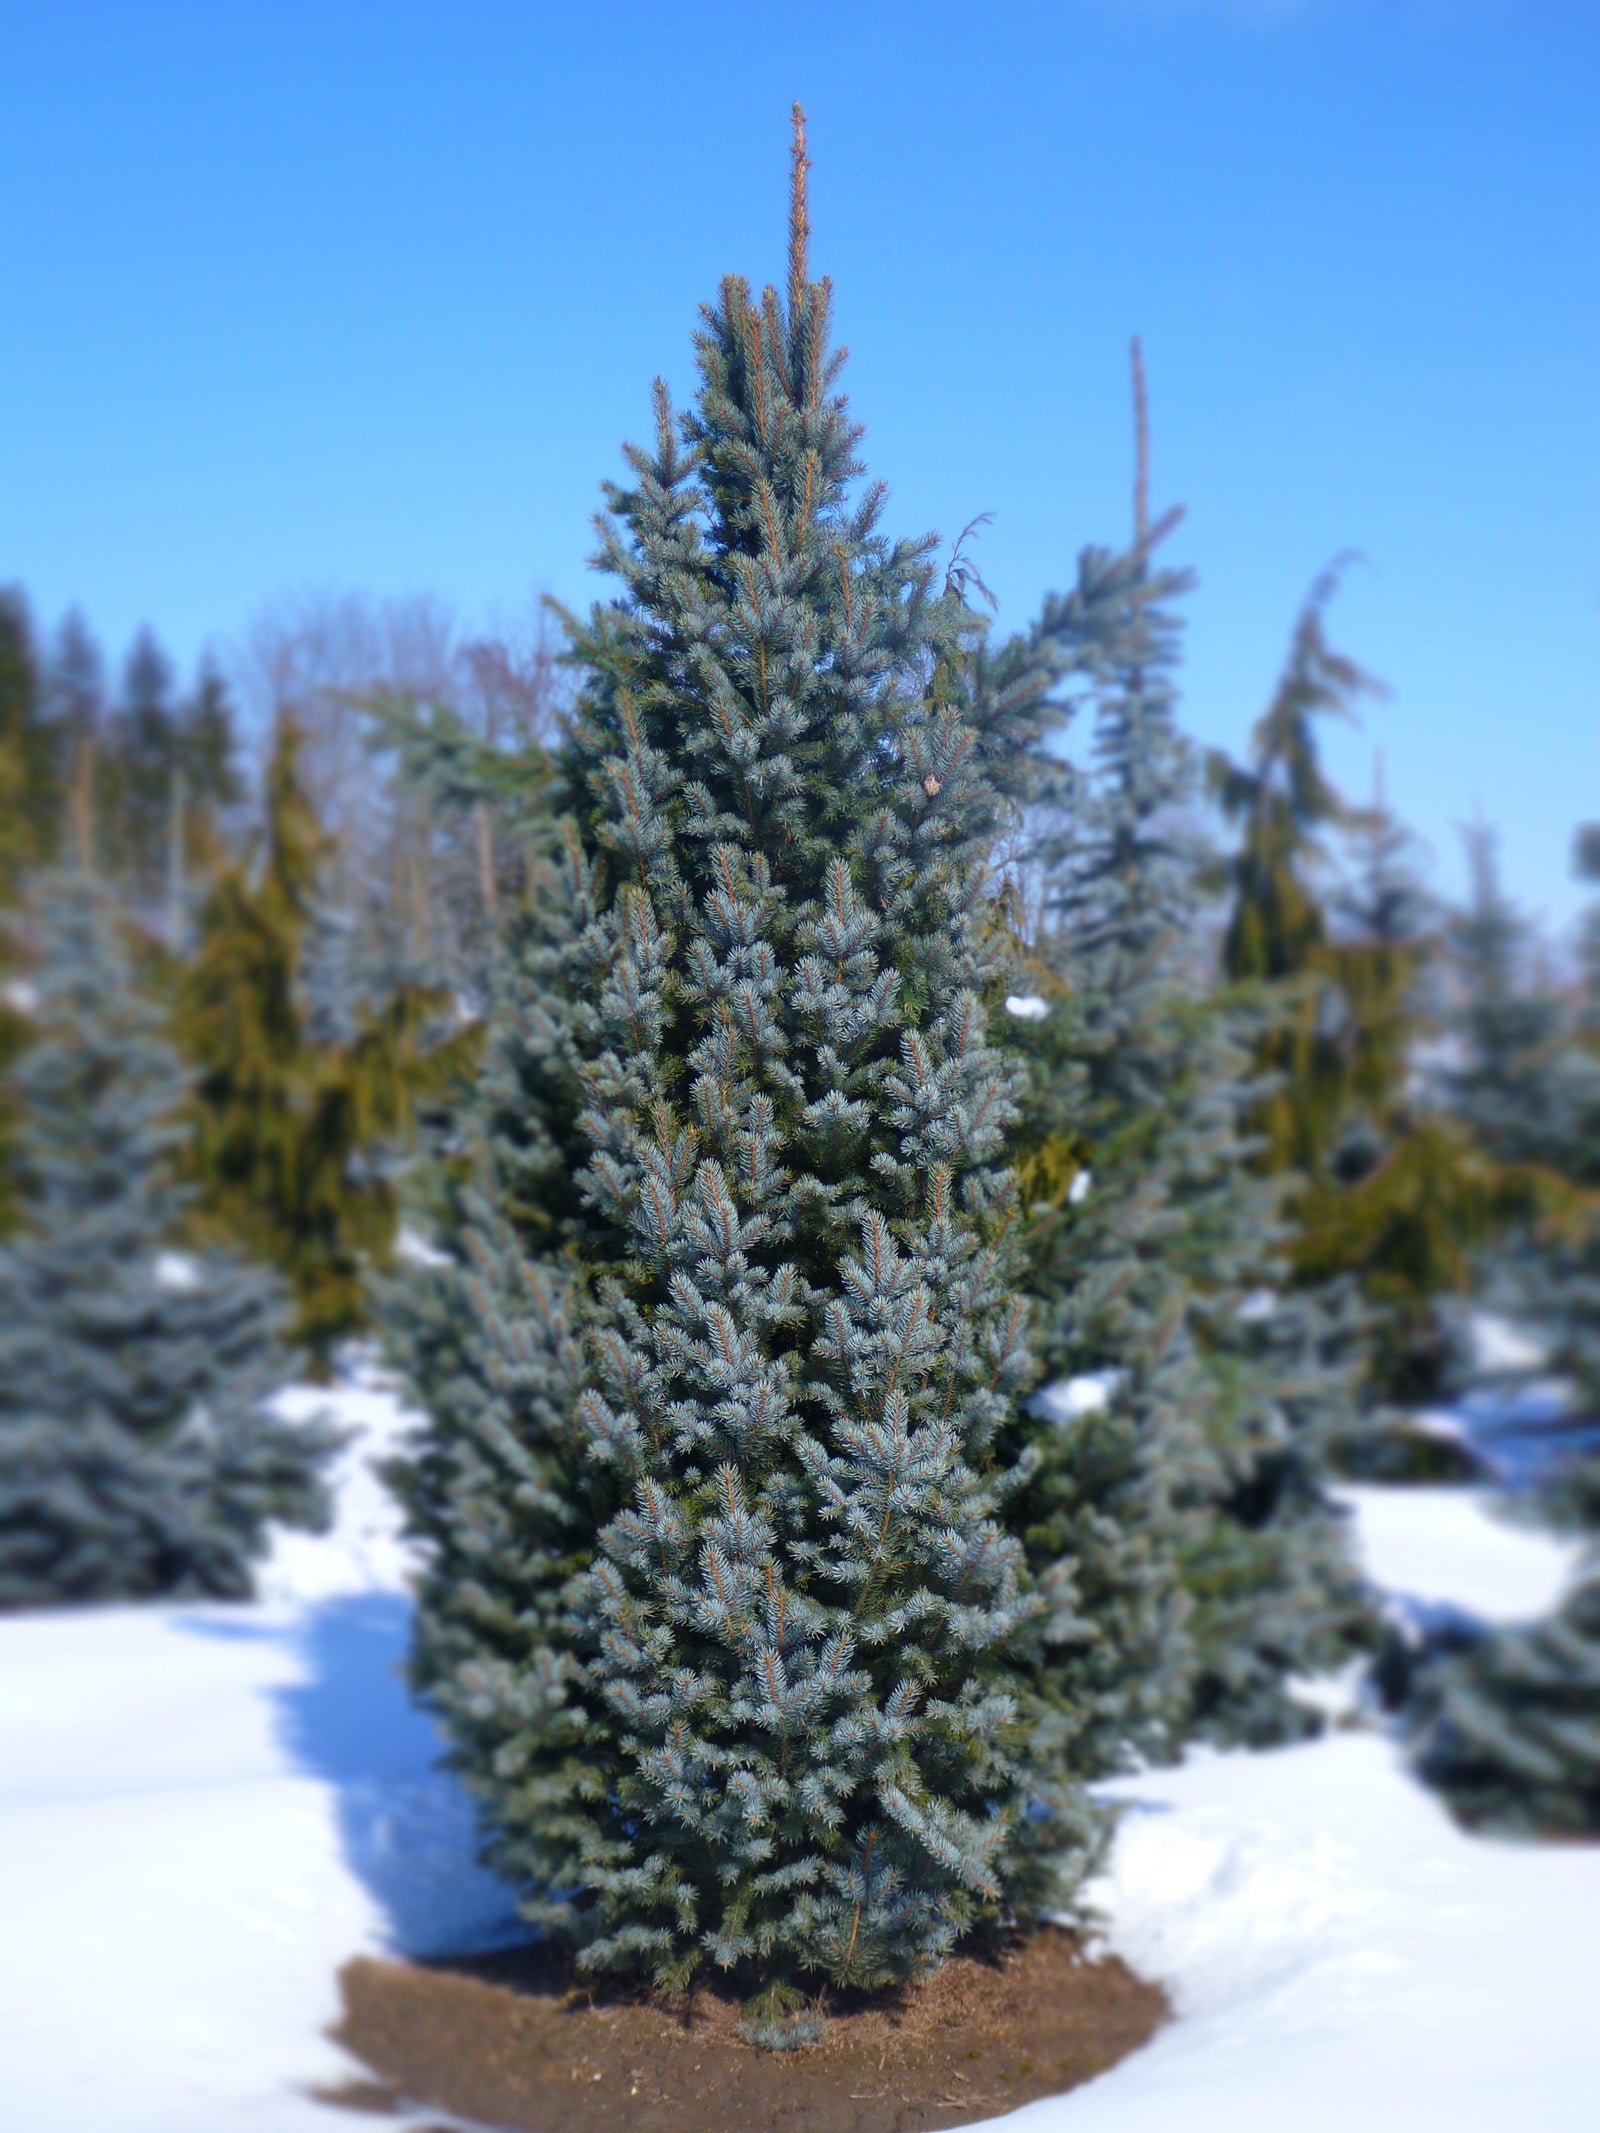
[[22, 995], [176, 1270], [1027, 1006], [1437, 1425], [413, 1246], [1339, 1953], [1078, 1191], [1070, 1398], [1499, 1346], [1338, 1698], [1446, 1546], [366, 1549]]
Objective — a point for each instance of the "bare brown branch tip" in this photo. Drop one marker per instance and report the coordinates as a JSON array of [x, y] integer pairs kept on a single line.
[[799, 217]]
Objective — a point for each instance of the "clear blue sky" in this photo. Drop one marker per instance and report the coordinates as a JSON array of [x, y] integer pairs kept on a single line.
[[319, 293]]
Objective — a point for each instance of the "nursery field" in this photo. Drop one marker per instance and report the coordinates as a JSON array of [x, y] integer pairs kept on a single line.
[[800, 1281], [206, 1812]]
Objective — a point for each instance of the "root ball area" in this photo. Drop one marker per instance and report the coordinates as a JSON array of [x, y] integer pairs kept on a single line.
[[509, 2041]]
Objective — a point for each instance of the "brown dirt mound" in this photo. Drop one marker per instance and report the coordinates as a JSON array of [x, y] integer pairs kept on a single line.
[[507, 2042]]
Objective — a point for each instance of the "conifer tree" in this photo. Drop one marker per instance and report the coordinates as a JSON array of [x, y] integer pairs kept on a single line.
[[137, 1456], [723, 1620], [1286, 810], [1508, 1086], [1405, 1197], [1524, 1082], [1509, 1730], [294, 1108], [74, 692], [1390, 1194], [1199, 1469], [135, 773], [1105, 1517], [165, 770]]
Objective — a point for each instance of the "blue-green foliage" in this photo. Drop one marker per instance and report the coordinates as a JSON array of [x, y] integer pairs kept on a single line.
[[1276, 1591], [1104, 1518], [724, 1619], [1527, 1094], [1188, 1513], [1509, 1730], [136, 1456]]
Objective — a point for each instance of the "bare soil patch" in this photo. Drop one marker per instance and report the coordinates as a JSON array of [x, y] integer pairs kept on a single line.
[[508, 2041]]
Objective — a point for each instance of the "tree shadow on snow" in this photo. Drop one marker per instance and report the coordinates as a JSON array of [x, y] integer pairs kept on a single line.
[[406, 1823]]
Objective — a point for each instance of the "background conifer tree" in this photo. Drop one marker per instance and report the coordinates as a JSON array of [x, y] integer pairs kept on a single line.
[[1509, 1730], [299, 1094], [1201, 1462], [1389, 1193], [165, 773], [136, 769], [1287, 813], [75, 693], [1524, 1081], [779, 1716], [1406, 1197], [1509, 1084], [137, 1456], [1104, 1519]]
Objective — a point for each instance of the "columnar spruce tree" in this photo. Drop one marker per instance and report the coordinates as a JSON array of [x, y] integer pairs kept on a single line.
[[1124, 1463], [1189, 1501], [741, 1665]]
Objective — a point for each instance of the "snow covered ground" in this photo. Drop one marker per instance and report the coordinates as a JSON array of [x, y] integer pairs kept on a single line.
[[1443, 1547], [205, 1810]]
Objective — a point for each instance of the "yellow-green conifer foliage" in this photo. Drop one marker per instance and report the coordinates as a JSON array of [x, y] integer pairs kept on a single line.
[[1391, 1192], [288, 1125]]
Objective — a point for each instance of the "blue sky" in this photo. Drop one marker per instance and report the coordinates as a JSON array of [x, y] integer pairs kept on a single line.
[[369, 295]]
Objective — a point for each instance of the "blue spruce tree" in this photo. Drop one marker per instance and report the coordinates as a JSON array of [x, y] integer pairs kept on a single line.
[[1122, 1458], [724, 1619], [137, 1456], [1195, 1486], [1187, 1503]]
